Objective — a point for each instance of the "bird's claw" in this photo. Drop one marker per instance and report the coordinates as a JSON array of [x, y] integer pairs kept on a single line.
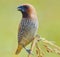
[[29, 51]]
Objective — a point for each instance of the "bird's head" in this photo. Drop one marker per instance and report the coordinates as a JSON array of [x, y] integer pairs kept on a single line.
[[27, 10]]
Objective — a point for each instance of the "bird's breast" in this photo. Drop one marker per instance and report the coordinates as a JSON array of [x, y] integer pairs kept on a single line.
[[29, 27]]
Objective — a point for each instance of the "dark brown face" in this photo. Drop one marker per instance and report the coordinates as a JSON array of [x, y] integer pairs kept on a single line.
[[27, 10], [23, 8]]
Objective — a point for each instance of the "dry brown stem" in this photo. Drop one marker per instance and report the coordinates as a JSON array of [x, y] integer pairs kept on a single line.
[[49, 46], [33, 45]]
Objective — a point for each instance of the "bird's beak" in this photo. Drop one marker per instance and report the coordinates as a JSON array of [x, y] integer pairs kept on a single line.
[[20, 8]]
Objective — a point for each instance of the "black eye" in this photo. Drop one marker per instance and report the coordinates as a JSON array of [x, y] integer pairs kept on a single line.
[[26, 7]]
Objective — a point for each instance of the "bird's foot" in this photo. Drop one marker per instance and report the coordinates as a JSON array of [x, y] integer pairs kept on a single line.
[[29, 51]]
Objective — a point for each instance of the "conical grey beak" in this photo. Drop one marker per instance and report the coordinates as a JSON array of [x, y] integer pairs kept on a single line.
[[21, 8]]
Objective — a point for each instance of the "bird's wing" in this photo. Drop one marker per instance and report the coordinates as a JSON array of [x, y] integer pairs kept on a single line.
[[21, 31]]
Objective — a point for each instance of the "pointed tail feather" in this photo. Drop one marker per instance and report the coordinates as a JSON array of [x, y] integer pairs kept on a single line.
[[18, 49]]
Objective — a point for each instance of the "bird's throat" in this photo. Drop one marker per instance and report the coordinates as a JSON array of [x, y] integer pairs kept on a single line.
[[25, 15]]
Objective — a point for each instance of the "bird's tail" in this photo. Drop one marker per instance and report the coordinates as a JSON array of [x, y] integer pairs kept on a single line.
[[18, 49]]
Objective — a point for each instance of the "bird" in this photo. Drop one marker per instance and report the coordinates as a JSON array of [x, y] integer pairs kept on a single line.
[[28, 26]]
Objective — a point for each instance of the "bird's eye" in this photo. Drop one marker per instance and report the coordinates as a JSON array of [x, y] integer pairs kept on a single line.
[[26, 7]]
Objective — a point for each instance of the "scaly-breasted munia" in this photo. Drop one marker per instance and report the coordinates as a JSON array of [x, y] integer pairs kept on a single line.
[[28, 26]]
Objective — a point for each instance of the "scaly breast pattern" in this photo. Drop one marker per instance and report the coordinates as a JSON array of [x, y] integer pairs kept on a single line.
[[28, 29]]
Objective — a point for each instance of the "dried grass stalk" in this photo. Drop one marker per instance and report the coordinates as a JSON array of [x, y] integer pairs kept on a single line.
[[47, 45], [33, 45], [39, 51]]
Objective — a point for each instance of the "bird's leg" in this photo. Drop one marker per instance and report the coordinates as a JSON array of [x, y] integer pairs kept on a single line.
[[31, 49], [27, 50]]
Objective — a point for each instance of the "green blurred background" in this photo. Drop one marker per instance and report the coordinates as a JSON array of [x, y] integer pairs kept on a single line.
[[48, 12]]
